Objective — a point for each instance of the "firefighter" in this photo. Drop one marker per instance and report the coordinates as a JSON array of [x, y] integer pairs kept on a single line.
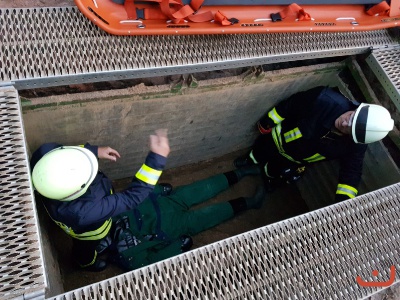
[[161, 226], [79, 197], [316, 125]]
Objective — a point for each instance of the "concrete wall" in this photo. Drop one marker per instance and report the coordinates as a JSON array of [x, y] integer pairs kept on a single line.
[[211, 120]]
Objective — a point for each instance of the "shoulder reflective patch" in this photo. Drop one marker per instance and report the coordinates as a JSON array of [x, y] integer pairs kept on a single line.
[[274, 116], [292, 135], [148, 175]]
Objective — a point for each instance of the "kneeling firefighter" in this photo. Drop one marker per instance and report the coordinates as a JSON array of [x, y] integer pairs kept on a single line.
[[79, 197], [316, 125]]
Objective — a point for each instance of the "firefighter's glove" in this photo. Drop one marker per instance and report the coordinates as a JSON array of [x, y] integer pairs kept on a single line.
[[263, 130]]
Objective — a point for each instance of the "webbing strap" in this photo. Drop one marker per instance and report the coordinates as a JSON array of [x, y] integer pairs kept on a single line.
[[296, 11], [220, 18], [174, 10], [187, 11], [160, 234], [130, 9], [380, 9]]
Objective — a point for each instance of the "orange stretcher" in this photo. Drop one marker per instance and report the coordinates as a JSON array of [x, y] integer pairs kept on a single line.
[[182, 17]]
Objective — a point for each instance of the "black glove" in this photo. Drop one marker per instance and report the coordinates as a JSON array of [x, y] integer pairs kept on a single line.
[[187, 243], [166, 189]]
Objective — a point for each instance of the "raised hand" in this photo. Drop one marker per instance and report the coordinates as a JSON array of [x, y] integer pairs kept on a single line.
[[108, 153], [159, 142]]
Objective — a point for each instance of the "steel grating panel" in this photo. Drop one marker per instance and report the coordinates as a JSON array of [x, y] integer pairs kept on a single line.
[[21, 271], [317, 255], [385, 63], [43, 47]]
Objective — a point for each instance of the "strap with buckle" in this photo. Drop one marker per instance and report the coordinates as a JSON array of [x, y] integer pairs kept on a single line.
[[291, 10]]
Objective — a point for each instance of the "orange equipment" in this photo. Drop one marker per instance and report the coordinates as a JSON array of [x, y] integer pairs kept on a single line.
[[160, 17]]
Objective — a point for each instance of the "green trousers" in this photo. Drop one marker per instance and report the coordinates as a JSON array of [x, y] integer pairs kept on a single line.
[[160, 221], [176, 215]]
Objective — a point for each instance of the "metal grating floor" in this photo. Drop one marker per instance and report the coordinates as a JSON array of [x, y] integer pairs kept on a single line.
[[43, 47], [386, 65], [313, 256], [21, 271]]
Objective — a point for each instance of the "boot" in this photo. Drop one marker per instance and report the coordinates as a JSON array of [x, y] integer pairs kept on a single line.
[[104, 244], [243, 161], [248, 170], [257, 200], [187, 242], [98, 266]]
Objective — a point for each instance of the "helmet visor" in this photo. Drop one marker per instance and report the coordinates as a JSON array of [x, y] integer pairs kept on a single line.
[[359, 126]]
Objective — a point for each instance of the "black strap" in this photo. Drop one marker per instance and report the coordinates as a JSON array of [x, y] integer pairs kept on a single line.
[[160, 234]]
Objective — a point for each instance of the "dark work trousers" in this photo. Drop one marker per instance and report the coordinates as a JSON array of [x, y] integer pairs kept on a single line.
[[84, 252]]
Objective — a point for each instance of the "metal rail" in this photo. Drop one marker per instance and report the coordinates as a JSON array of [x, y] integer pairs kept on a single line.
[[43, 47], [21, 273], [385, 63]]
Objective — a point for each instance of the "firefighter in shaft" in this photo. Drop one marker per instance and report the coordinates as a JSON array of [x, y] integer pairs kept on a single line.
[[79, 197], [316, 125]]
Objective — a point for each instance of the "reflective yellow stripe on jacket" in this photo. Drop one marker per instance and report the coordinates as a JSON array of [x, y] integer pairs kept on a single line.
[[276, 135], [148, 175], [274, 116], [314, 158], [347, 190], [93, 235], [292, 135]]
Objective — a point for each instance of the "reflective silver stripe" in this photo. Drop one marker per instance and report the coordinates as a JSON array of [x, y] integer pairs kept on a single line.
[[347, 190], [274, 116], [148, 175], [292, 135], [314, 158]]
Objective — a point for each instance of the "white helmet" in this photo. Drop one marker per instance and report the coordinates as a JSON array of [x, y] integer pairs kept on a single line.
[[65, 173], [371, 123]]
